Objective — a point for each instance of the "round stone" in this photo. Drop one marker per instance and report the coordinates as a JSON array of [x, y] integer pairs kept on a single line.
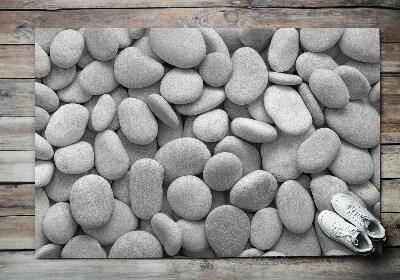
[[284, 79], [83, 247], [266, 228], [124, 39], [323, 188], [74, 159], [44, 170], [368, 193], [256, 38], [42, 62], [44, 37], [103, 112], [136, 33], [43, 149], [66, 48], [355, 81], [214, 42], [193, 235], [211, 126], [143, 44], [216, 69], [49, 251], [102, 43], [162, 110], [98, 78], [60, 185], [257, 110], [273, 254], [308, 62], [253, 131], [312, 104], [136, 244], [42, 205], [372, 71], [283, 49], [46, 98], [292, 244], [251, 253], [375, 93], [59, 78], [74, 92], [167, 232], [320, 39], [361, 44]]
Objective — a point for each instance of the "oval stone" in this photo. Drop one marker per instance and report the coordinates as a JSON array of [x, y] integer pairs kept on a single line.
[[257, 110], [74, 159], [372, 71], [211, 126], [74, 92], [44, 171], [284, 79], [49, 251], [59, 78], [103, 112], [323, 188], [214, 42], [253, 131], [193, 235], [102, 43], [293, 244], [66, 48], [312, 104], [361, 44], [43, 149], [355, 81], [42, 205], [42, 62], [256, 38], [162, 110], [60, 185], [308, 62], [98, 78], [283, 49], [167, 232], [367, 192], [320, 39], [46, 98], [83, 247], [216, 69], [266, 228], [136, 244]]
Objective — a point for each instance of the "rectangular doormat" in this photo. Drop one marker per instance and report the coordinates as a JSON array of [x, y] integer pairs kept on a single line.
[[207, 143]]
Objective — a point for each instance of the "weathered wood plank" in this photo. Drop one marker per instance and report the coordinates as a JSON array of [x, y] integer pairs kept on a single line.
[[391, 222], [17, 166], [17, 133], [16, 27], [390, 133], [17, 97], [390, 161], [324, 4], [17, 201], [390, 195], [17, 232], [390, 58]]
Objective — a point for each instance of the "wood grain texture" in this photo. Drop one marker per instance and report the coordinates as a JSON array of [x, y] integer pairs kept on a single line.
[[17, 27], [390, 161], [17, 232], [17, 133], [17, 166], [391, 222], [390, 195], [324, 4], [15, 201], [17, 97]]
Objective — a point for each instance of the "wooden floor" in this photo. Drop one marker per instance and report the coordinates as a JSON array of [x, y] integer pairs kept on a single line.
[[17, 21]]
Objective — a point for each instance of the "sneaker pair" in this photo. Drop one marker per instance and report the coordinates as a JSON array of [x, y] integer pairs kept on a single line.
[[355, 233]]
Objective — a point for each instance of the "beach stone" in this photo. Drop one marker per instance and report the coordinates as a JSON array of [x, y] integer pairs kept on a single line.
[[86, 57], [66, 48], [103, 112], [189, 197], [211, 126], [60, 185], [318, 151], [353, 164], [361, 44], [295, 207], [283, 49], [356, 83], [42, 62], [222, 171], [49, 251], [227, 230], [370, 70], [145, 187], [143, 44], [102, 43], [144, 93], [180, 157], [312, 104], [323, 188], [292, 244], [308, 62], [162, 110], [181, 86], [90, 106], [209, 99], [118, 95], [133, 69], [181, 47], [111, 159], [376, 210], [74, 159], [251, 253], [214, 42], [167, 134], [136, 33], [368, 193], [42, 205], [59, 78], [122, 221], [329, 88], [247, 153], [320, 39], [136, 244], [98, 78], [167, 232], [253, 131], [193, 235], [256, 38], [374, 94], [236, 111], [44, 170], [357, 123], [266, 228], [257, 110], [284, 79], [74, 92], [44, 37], [135, 151], [43, 149], [273, 254], [59, 224], [120, 189], [231, 37], [124, 39], [92, 201], [249, 77], [376, 161], [287, 109], [216, 69], [83, 247], [304, 180], [46, 98]]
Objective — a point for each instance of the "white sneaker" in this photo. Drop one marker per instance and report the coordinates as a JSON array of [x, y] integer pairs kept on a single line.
[[356, 213], [345, 233]]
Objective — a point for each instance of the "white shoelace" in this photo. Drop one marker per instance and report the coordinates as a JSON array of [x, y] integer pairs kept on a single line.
[[362, 219], [346, 231]]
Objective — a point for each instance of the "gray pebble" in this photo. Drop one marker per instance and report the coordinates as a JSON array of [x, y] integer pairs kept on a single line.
[[124, 39], [46, 98], [256, 38], [211, 126], [59, 224], [251, 253], [43, 172], [273, 254], [193, 235], [355, 81], [135, 151], [284, 79], [236, 111], [323, 188], [283, 49], [60, 185], [136, 244], [367, 192], [42, 205], [136, 33], [253, 131], [167, 232], [370, 70], [103, 112], [361, 44], [376, 161], [102, 43], [120, 189], [376, 210], [143, 44], [66, 48], [257, 111], [231, 37], [266, 228], [214, 42], [312, 104], [59, 78], [74, 159], [167, 134], [83, 247], [308, 62], [44, 37], [163, 110], [42, 62], [74, 92], [216, 69], [43, 149], [49, 251], [320, 39], [98, 78], [375, 93], [292, 244]]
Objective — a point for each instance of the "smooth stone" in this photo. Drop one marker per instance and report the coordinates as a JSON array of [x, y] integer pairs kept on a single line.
[[374, 94], [74, 159], [287, 109], [181, 47], [143, 44], [49, 251], [124, 39], [273, 254], [86, 58], [42, 205], [357, 123], [231, 37], [375, 153], [292, 244], [167, 133], [66, 48], [181, 86], [257, 111], [59, 224], [60, 185], [136, 244], [74, 92], [83, 247], [353, 164], [329, 88], [118, 95], [284, 79], [145, 187], [135, 151], [372, 71], [98, 78], [222, 171], [103, 112], [43, 149], [320, 39], [318, 151], [189, 197], [44, 171], [253, 131], [247, 153], [44, 37], [254, 191], [368, 193], [120, 189], [356, 83], [214, 42], [162, 110], [227, 230], [137, 122], [111, 158], [251, 253], [42, 62], [308, 62], [361, 44], [209, 99], [144, 93], [236, 111], [92, 201], [305, 180], [323, 188], [216, 69], [376, 210], [184, 156], [133, 69], [283, 49], [59, 78], [256, 38], [312, 104], [295, 207], [211, 126], [249, 77], [266, 228], [102, 43], [193, 235], [122, 221], [136, 33], [46, 98], [167, 232]]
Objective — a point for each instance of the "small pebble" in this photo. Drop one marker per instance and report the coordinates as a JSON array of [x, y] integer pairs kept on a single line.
[[42, 205], [231, 37], [355, 81], [43, 149], [216, 69], [291, 244], [167, 232], [312, 104], [98, 78], [308, 62], [211, 126], [371, 71], [251, 253], [74, 159], [124, 39], [118, 95], [374, 94], [43, 172], [376, 210], [46, 98], [102, 43], [256, 38], [253, 131], [323, 188], [136, 244], [167, 133], [83, 247], [59, 78], [361, 44], [257, 110], [103, 112], [214, 42], [60, 185], [284, 79], [367, 192], [66, 48], [193, 235], [49, 251], [136, 33], [143, 44], [376, 161], [44, 37], [266, 228], [135, 151], [236, 111], [162, 110], [74, 92], [283, 49], [304, 180], [320, 39], [42, 62]]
